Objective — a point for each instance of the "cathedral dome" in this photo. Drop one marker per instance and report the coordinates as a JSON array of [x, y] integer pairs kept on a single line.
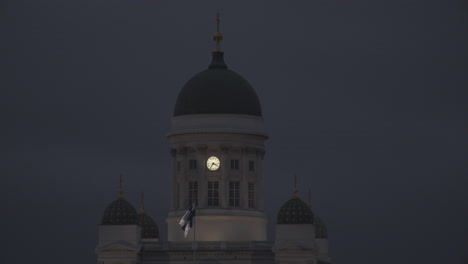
[[217, 91], [120, 212], [295, 211], [320, 228], [149, 229]]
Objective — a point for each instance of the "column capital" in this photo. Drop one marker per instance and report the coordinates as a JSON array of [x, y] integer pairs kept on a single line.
[[202, 148], [261, 153], [182, 150], [224, 148], [173, 152]]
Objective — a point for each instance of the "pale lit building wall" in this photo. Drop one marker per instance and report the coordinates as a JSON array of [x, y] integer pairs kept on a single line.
[[118, 244], [295, 243], [114, 233], [221, 228], [228, 137], [322, 244]]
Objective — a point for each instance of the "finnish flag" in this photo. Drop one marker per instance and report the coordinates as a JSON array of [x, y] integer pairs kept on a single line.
[[186, 222]]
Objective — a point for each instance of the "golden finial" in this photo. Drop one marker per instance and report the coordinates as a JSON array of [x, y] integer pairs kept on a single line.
[[142, 205], [120, 189], [217, 36], [295, 191], [310, 200]]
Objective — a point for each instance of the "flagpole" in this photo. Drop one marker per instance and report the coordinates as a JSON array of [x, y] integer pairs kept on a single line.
[[194, 232]]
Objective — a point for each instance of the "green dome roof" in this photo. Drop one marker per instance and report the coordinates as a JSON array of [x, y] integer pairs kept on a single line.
[[217, 91], [149, 229], [295, 211], [320, 228], [120, 212]]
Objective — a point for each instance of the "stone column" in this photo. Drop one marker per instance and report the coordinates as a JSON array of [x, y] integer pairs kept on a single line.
[[173, 180], [244, 187], [224, 183], [202, 177], [183, 194], [259, 173]]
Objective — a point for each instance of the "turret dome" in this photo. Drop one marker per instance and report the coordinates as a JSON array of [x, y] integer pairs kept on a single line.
[[320, 228], [217, 90], [120, 212], [295, 211], [149, 229]]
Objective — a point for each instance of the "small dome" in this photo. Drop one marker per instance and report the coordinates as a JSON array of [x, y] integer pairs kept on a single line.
[[217, 91], [149, 229], [320, 228], [120, 212], [295, 211]]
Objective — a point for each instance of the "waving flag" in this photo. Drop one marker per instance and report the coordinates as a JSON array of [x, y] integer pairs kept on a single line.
[[186, 222]]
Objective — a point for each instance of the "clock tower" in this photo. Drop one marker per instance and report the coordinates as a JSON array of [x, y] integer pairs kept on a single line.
[[217, 147]]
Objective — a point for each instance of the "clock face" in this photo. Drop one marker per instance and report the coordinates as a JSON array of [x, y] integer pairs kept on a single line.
[[212, 163]]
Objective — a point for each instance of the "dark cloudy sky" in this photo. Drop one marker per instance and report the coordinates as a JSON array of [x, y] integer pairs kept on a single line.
[[365, 100]]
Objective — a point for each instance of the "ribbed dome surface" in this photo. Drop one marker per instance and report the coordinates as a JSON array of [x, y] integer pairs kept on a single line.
[[120, 212], [295, 211], [320, 228], [149, 229], [217, 91]]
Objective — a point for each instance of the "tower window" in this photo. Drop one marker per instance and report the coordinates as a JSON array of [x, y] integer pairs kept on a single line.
[[234, 193], [213, 193], [251, 195], [193, 164], [193, 193], [235, 164], [251, 165]]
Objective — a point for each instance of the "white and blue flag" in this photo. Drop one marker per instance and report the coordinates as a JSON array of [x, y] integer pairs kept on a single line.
[[186, 222]]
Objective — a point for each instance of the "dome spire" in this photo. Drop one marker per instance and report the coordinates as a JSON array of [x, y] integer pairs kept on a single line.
[[217, 61], [120, 188], [142, 205], [295, 191], [218, 37]]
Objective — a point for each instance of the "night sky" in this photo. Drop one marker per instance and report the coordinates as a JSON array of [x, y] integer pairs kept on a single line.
[[365, 100]]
